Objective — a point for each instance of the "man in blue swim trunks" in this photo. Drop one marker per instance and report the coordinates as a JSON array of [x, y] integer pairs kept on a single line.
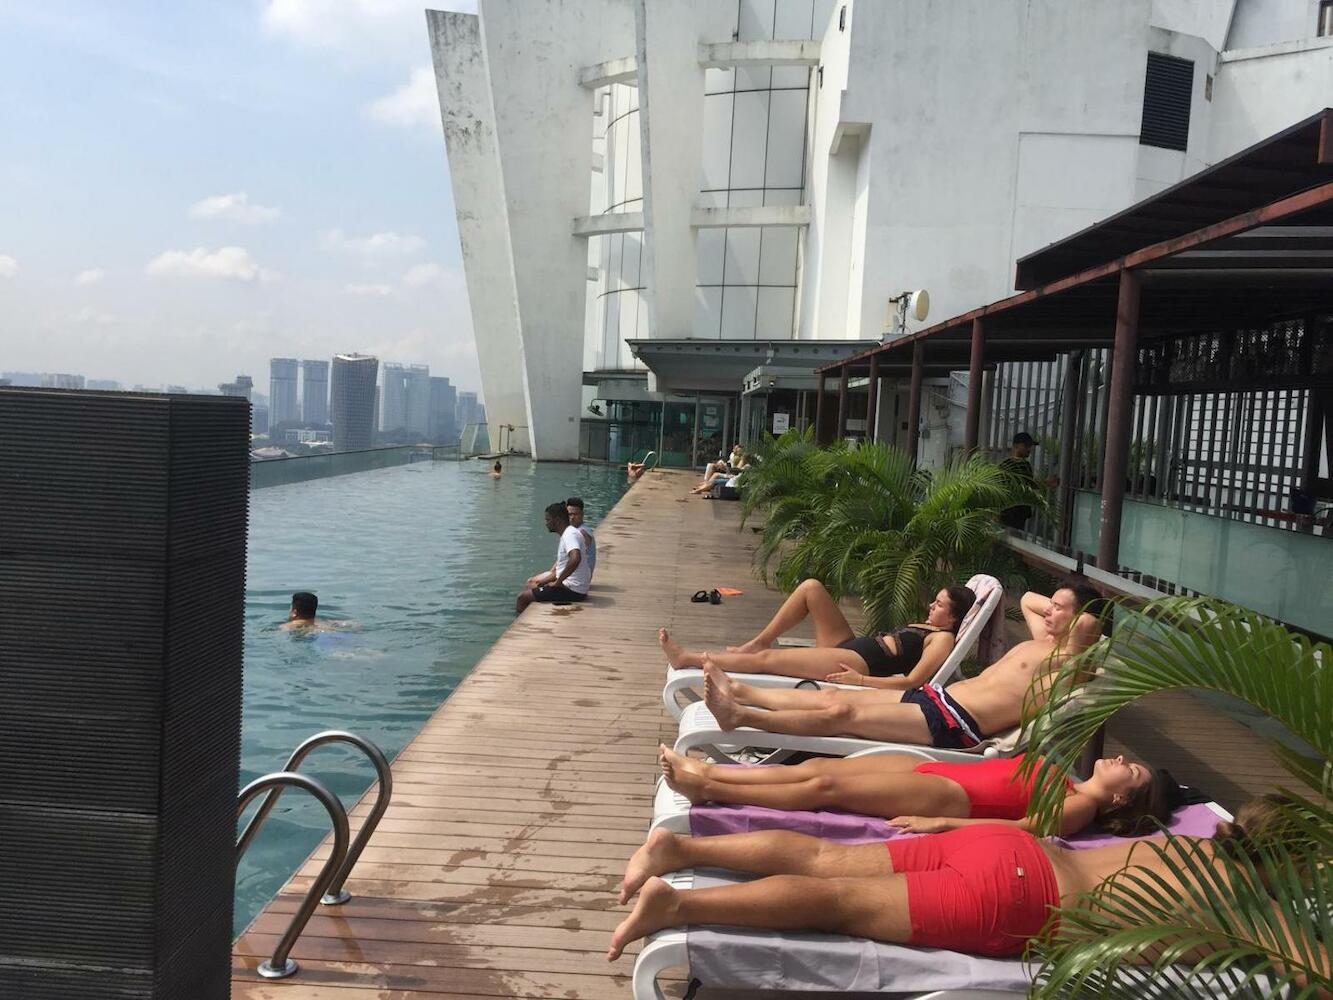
[[957, 717]]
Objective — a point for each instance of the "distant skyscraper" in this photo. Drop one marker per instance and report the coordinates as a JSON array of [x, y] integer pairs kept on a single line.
[[58, 381], [393, 397], [466, 410], [352, 400], [259, 420], [315, 392], [283, 407], [177, 389], [418, 399], [102, 383], [242, 386], [440, 426]]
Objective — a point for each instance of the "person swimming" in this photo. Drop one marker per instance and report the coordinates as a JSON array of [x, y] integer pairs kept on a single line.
[[496, 470], [302, 620]]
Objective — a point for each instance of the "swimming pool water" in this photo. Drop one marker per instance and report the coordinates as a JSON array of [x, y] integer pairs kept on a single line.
[[426, 560]]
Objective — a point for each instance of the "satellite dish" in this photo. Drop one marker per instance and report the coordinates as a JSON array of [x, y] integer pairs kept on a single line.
[[918, 304]]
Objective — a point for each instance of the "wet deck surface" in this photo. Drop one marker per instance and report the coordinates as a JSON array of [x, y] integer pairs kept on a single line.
[[517, 806]]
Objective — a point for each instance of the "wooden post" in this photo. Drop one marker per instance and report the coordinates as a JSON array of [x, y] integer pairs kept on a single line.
[[974, 379], [872, 399], [841, 428], [1120, 410], [914, 397], [1068, 432], [819, 410]]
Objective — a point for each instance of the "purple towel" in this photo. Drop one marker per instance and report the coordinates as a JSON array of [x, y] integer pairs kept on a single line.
[[850, 828]]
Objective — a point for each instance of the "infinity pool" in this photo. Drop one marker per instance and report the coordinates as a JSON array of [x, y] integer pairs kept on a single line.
[[425, 559]]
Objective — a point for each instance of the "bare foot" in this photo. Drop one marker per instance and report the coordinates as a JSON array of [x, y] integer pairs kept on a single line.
[[718, 695], [682, 775], [755, 645], [657, 856], [655, 910], [677, 655]]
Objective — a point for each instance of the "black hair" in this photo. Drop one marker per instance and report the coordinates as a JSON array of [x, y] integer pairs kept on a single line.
[[1087, 598], [1023, 437], [497, 465], [305, 604], [558, 511], [575, 502], [1149, 805], [961, 600]]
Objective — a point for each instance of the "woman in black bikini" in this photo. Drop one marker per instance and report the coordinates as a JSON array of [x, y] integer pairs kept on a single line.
[[904, 658]]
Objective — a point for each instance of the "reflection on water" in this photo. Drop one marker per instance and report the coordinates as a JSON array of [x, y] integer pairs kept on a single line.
[[425, 559]]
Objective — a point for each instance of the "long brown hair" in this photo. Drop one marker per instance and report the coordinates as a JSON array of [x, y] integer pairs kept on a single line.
[[1149, 807]]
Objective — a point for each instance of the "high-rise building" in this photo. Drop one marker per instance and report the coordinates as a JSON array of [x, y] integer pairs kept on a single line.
[[418, 399], [352, 400], [750, 186], [243, 385], [440, 427], [466, 410], [55, 380], [405, 400], [315, 392], [283, 405], [393, 398], [105, 384]]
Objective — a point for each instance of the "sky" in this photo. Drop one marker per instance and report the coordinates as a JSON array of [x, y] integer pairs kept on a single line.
[[188, 189]]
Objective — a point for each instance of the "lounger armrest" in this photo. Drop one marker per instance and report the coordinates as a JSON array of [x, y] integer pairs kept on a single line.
[[663, 950]]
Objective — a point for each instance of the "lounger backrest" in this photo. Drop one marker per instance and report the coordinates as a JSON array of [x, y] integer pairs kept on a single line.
[[989, 595]]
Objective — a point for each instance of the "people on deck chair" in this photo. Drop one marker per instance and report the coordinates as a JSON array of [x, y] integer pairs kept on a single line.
[[1121, 797], [904, 658], [712, 473], [957, 717], [987, 889]]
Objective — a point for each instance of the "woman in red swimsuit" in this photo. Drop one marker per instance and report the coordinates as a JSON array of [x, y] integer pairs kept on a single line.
[[1120, 797], [987, 890]]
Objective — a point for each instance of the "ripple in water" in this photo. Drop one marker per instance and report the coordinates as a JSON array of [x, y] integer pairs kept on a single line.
[[425, 559]]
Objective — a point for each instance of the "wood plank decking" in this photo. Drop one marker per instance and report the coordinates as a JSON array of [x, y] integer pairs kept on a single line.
[[493, 873]]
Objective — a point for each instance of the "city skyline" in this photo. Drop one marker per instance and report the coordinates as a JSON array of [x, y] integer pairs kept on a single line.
[[190, 191]]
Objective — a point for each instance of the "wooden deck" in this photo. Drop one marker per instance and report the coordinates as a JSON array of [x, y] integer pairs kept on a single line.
[[516, 807]]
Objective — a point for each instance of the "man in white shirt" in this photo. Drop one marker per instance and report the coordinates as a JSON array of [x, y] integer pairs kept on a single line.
[[571, 577], [575, 507]]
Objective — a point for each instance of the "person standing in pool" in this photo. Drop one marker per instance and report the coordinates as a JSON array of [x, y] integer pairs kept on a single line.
[[575, 507], [496, 471], [301, 616], [569, 581]]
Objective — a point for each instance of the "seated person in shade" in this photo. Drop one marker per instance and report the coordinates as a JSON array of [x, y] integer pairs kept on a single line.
[[301, 616], [985, 890], [575, 507], [901, 659], [714, 471], [737, 456], [956, 717], [569, 579], [1120, 798]]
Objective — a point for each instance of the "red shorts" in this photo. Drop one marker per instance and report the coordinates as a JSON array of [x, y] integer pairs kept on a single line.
[[983, 889]]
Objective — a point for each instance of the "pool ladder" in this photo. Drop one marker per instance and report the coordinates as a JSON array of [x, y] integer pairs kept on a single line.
[[328, 888]]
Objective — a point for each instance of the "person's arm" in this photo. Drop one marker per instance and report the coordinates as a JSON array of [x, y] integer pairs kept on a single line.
[[572, 560], [1034, 607], [1079, 811]]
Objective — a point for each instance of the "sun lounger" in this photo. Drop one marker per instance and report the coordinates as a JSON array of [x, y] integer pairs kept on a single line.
[[689, 683], [723, 958]]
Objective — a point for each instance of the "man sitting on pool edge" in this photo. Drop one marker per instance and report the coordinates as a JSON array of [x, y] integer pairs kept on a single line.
[[568, 581]]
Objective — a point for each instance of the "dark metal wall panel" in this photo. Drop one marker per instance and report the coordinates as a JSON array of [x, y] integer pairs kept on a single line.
[[122, 586], [1168, 85]]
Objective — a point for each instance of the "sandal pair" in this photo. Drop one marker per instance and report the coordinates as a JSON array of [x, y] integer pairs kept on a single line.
[[706, 597]]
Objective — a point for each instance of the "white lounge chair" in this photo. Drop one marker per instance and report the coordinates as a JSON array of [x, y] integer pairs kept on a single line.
[[689, 683], [772, 960]]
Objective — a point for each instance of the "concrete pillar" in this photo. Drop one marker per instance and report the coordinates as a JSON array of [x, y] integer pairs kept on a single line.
[[840, 430], [819, 410], [1120, 411], [872, 398], [914, 397], [1068, 428], [974, 377], [671, 105]]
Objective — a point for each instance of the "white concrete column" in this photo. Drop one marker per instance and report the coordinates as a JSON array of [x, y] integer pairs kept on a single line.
[[463, 82], [671, 99]]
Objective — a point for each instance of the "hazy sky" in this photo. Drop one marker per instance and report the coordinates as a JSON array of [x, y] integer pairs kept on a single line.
[[190, 188]]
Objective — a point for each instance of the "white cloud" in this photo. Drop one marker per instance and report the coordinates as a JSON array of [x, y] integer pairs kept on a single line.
[[90, 277], [9, 266], [415, 104], [90, 315], [377, 244], [359, 289], [428, 273], [234, 207], [231, 263], [359, 27]]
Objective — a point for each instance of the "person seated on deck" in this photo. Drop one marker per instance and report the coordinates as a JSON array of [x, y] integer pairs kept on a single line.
[[712, 473], [301, 615], [986, 890], [957, 717], [571, 576], [1120, 798], [737, 456], [904, 658], [635, 469], [575, 507]]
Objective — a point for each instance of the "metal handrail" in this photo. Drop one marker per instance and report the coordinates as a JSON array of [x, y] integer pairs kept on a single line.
[[280, 965], [335, 895]]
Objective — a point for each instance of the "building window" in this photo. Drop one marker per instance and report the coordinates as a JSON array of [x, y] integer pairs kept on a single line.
[[1167, 89], [1325, 19]]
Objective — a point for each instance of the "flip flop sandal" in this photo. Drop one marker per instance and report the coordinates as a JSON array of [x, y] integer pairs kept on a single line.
[[700, 597], [714, 597]]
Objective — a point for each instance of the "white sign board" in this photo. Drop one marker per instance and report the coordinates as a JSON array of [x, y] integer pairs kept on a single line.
[[781, 421]]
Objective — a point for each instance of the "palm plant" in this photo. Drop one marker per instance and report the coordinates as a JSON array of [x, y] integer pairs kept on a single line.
[[1242, 917], [865, 521]]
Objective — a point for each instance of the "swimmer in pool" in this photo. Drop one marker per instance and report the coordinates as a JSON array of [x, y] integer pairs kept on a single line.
[[301, 618], [496, 470]]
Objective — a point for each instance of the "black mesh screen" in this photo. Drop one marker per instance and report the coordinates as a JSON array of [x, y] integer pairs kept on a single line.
[[1166, 102]]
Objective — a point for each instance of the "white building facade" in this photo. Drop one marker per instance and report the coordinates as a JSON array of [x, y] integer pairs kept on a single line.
[[672, 210]]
